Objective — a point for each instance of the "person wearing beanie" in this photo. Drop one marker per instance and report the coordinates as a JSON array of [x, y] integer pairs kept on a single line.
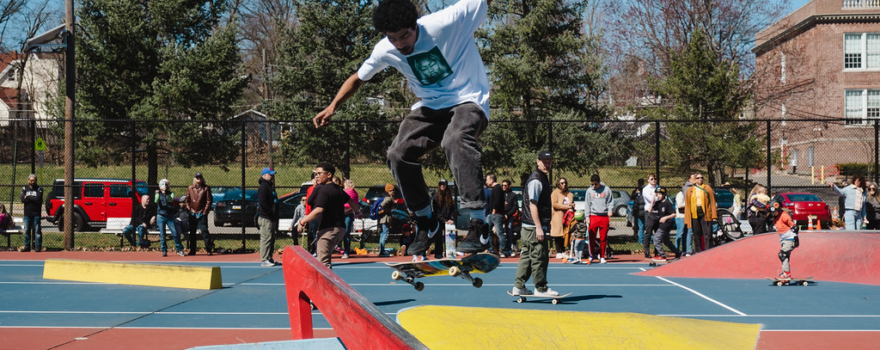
[[440, 59], [386, 220]]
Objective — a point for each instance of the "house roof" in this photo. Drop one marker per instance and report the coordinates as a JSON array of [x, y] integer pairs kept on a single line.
[[7, 96]]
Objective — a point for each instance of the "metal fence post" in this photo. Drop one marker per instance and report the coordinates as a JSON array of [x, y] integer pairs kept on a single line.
[[133, 163], [346, 170], [33, 146], [243, 166], [657, 151], [769, 159], [550, 147]]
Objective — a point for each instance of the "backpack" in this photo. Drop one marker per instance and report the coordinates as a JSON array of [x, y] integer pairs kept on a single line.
[[376, 209]]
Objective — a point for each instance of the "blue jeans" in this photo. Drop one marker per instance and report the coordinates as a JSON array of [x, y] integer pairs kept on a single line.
[[32, 227], [163, 221], [852, 219], [496, 221], [128, 231], [683, 236], [511, 243], [383, 236], [640, 223], [349, 226]]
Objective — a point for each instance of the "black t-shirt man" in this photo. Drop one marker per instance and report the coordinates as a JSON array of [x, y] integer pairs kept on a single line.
[[661, 209], [332, 199]]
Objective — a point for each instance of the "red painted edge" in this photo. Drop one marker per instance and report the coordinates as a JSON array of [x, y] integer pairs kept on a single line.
[[359, 323]]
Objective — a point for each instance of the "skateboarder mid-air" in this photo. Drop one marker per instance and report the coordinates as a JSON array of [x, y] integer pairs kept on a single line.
[[439, 58], [787, 237]]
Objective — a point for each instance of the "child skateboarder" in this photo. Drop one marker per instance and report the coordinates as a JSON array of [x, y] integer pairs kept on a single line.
[[785, 226], [578, 233], [665, 212]]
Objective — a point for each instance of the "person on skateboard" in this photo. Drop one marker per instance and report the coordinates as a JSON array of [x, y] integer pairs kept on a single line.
[[787, 237], [535, 223]]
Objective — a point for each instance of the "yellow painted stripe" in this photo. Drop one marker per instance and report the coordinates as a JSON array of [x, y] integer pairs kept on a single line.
[[450, 327], [174, 276]]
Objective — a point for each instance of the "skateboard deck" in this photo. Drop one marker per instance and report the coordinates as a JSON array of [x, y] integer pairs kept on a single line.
[[655, 262], [523, 298], [781, 281], [477, 263]]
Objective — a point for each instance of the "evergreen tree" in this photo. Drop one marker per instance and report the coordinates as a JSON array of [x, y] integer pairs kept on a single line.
[[156, 62], [704, 87]]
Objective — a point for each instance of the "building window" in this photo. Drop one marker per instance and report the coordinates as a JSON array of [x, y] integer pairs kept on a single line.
[[861, 51], [861, 106]]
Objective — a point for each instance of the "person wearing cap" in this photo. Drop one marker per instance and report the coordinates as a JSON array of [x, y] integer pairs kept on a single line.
[[329, 204], [537, 213], [600, 206], [440, 59], [664, 211], [386, 219], [198, 204], [267, 216], [166, 209], [32, 198]]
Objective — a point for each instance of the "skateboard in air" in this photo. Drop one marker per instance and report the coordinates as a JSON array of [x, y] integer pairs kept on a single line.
[[477, 263], [522, 298], [782, 281]]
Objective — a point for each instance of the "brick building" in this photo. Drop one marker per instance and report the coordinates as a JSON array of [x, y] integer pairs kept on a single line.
[[822, 63]]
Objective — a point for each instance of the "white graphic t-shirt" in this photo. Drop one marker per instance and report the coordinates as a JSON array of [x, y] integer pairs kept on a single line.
[[445, 68]]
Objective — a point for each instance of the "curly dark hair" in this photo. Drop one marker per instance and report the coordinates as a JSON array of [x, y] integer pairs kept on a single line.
[[394, 15]]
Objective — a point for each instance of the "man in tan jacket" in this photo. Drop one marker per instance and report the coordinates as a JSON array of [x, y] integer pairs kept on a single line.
[[198, 203], [700, 210]]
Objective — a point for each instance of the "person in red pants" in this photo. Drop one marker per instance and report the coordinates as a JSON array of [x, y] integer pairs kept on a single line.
[[600, 205]]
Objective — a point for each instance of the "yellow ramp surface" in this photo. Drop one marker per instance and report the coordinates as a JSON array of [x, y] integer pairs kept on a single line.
[[174, 276], [450, 327]]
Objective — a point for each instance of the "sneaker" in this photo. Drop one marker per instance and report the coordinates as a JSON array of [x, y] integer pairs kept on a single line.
[[267, 263], [344, 256], [560, 255], [658, 257], [181, 253], [472, 243], [425, 228], [517, 292], [164, 254], [502, 255], [602, 260], [513, 253], [785, 275], [547, 293], [689, 254]]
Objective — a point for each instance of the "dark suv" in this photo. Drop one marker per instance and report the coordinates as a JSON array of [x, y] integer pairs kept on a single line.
[[94, 201]]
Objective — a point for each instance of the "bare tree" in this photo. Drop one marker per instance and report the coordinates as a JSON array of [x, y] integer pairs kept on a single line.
[[263, 23]]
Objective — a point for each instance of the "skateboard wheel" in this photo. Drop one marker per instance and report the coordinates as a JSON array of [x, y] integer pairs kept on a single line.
[[454, 271], [779, 283], [419, 286], [395, 275], [520, 300], [805, 283], [554, 301], [478, 282]]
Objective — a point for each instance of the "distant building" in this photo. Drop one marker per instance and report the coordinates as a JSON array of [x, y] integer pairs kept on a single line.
[[38, 80], [821, 62]]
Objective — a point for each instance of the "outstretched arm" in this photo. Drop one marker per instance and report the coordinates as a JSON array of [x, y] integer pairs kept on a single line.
[[348, 89]]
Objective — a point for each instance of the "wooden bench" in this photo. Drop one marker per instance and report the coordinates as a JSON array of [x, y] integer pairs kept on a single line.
[[17, 229], [116, 225], [287, 225]]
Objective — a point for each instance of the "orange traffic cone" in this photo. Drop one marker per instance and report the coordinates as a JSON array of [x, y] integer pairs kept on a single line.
[[818, 224], [810, 222]]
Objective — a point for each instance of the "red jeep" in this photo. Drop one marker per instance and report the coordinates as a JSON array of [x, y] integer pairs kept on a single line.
[[95, 200]]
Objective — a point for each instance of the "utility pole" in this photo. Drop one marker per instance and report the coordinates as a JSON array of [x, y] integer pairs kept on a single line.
[[70, 92]]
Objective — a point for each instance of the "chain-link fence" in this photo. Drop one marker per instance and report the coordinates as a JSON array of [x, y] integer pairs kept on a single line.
[[117, 158]]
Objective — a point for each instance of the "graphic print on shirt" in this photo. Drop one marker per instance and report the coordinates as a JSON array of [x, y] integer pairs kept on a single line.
[[429, 67]]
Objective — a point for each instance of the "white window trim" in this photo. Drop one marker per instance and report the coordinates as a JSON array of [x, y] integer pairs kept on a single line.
[[864, 53], [865, 121]]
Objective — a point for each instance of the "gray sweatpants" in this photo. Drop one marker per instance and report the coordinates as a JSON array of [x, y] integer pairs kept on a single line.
[[456, 129], [267, 237], [787, 247]]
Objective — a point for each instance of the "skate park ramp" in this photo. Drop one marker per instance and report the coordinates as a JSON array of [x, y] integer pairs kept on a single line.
[[454, 327], [833, 256]]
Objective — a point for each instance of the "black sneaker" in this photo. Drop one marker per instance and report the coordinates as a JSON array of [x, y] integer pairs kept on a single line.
[[472, 243], [424, 226]]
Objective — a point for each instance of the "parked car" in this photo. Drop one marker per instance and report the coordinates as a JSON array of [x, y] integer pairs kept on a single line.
[[219, 192], [229, 210], [621, 199], [804, 204], [94, 200]]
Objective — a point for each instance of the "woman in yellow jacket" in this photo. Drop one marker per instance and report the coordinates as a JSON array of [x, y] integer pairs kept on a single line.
[[700, 210], [563, 200]]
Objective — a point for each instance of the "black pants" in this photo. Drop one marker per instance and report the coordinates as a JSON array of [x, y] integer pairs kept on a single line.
[[200, 224], [651, 224], [702, 232], [759, 224]]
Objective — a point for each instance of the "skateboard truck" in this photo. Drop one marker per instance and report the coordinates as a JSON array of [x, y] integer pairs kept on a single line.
[[397, 276]]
